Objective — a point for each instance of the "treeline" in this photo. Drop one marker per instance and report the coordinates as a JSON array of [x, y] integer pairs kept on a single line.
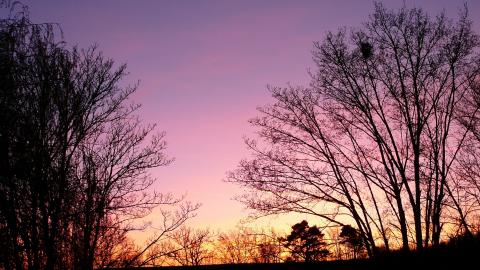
[[304, 247], [192, 247]]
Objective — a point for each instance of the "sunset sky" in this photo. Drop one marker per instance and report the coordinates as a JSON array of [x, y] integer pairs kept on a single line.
[[203, 68]]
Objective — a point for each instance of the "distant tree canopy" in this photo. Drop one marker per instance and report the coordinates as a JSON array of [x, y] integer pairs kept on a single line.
[[306, 243], [74, 157], [384, 138]]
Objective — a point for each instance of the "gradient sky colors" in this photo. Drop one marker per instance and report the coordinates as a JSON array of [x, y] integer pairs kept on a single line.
[[203, 68]]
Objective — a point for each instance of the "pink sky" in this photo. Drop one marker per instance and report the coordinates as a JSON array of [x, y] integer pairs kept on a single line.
[[203, 68]]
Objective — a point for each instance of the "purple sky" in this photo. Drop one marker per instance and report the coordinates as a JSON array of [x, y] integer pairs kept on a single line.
[[203, 68]]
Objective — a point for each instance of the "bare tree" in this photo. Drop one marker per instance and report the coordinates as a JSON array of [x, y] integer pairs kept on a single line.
[[236, 246], [402, 99], [155, 248], [373, 141], [75, 158], [337, 249], [270, 247], [246, 245], [466, 184], [190, 246], [304, 167]]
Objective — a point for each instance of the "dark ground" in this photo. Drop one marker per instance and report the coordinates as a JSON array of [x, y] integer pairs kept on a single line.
[[387, 262]]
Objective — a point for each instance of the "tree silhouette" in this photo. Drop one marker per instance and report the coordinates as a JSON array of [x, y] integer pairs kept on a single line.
[[352, 238], [190, 246], [74, 156], [378, 135], [306, 243]]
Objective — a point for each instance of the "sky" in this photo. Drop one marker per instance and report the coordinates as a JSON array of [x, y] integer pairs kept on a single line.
[[203, 68]]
